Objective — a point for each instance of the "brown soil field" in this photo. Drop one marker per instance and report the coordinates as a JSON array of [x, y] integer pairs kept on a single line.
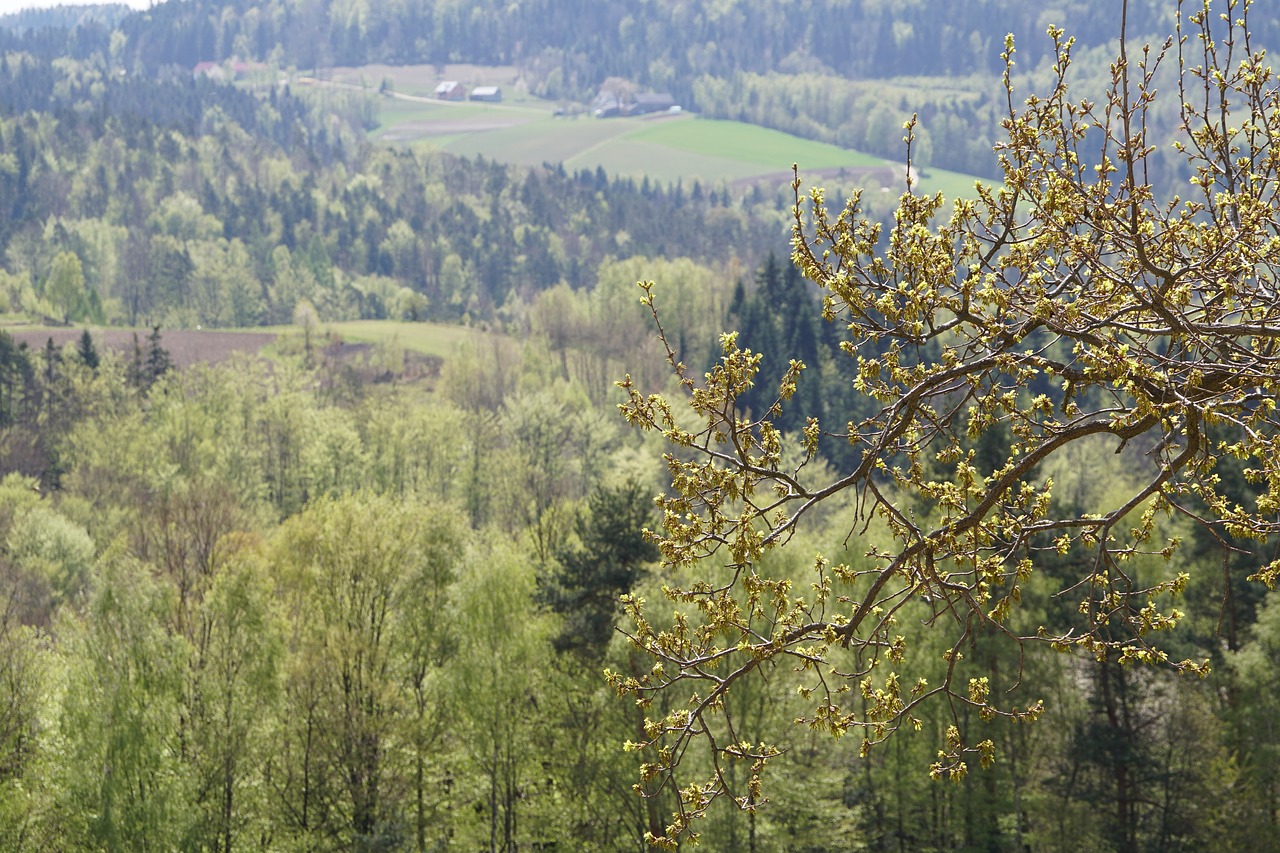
[[409, 131], [185, 346]]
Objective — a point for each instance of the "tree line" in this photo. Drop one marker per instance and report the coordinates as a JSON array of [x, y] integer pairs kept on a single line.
[[664, 45]]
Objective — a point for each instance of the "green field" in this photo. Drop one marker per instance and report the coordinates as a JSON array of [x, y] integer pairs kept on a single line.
[[425, 338], [395, 112], [749, 143], [435, 339], [952, 185], [664, 147]]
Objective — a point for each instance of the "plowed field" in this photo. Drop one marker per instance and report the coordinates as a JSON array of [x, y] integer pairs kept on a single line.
[[185, 346]]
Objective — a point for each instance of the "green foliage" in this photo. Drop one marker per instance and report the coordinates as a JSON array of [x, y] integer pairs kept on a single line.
[[1256, 668], [53, 549], [269, 215], [65, 287], [87, 352], [235, 674], [1069, 304], [605, 563], [121, 713], [358, 571], [255, 729], [24, 686], [334, 614], [496, 676]]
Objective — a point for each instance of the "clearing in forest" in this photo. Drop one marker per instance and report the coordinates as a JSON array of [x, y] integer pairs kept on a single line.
[[665, 147]]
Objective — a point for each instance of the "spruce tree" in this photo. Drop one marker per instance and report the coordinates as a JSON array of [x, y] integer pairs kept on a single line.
[[87, 352], [158, 361]]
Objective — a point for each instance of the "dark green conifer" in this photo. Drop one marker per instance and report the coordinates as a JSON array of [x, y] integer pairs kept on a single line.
[[87, 352]]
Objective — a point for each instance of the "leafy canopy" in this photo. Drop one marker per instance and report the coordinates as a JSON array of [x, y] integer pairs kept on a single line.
[[1065, 305]]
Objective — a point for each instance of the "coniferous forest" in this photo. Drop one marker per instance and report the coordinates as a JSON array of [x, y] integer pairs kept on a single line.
[[332, 595]]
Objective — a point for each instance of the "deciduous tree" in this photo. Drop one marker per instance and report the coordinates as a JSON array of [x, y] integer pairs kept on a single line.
[[496, 680], [357, 569], [1065, 305], [65, 287]]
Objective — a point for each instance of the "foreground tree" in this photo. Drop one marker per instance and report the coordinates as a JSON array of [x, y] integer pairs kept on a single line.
[[1065, 307], [361, 573], [121, 714], [496, 683]]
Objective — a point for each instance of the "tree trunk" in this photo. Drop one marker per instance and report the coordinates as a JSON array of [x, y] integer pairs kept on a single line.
[[1117, 718]]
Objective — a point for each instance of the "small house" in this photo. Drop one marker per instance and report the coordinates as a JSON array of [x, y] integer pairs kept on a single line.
[[651, 102], [232, 69], [212, 70], [491, 94], [451, 90], [241, 69], [606, 106], [609, 100]]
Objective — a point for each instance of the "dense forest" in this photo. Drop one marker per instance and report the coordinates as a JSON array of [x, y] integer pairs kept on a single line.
[[289, 608], [653, 42], [317, 600]]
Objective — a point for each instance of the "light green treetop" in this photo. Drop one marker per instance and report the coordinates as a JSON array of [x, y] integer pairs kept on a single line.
[[1064, 305]]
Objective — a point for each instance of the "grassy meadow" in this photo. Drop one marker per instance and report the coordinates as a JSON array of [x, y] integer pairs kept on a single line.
[[666, 147], [190, 346], [423, 338], [430, 339]]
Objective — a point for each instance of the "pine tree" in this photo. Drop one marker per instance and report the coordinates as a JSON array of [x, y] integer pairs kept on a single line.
[[607, 562]]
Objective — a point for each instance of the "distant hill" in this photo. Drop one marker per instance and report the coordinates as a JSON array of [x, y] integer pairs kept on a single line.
[[569, 46], [566, 48], [846, 72], [65, 17]]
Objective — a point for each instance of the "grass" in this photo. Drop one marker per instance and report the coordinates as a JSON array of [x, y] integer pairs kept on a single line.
[[952, 185], [666, 148], [439, 142], [394, 112], [425, 338], [546, 140], [748, 143], [637, 158], [413, 121]]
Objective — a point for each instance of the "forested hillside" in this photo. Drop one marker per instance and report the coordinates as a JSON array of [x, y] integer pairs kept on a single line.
[[839, 71], [186, 202], [338, 596], [663, 44]]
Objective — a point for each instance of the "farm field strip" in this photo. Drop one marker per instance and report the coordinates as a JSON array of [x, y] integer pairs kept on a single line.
[[751, 143], [189, 346], [438, 339], [185, 346], [435, 339], [637, 157], [662, 147]]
